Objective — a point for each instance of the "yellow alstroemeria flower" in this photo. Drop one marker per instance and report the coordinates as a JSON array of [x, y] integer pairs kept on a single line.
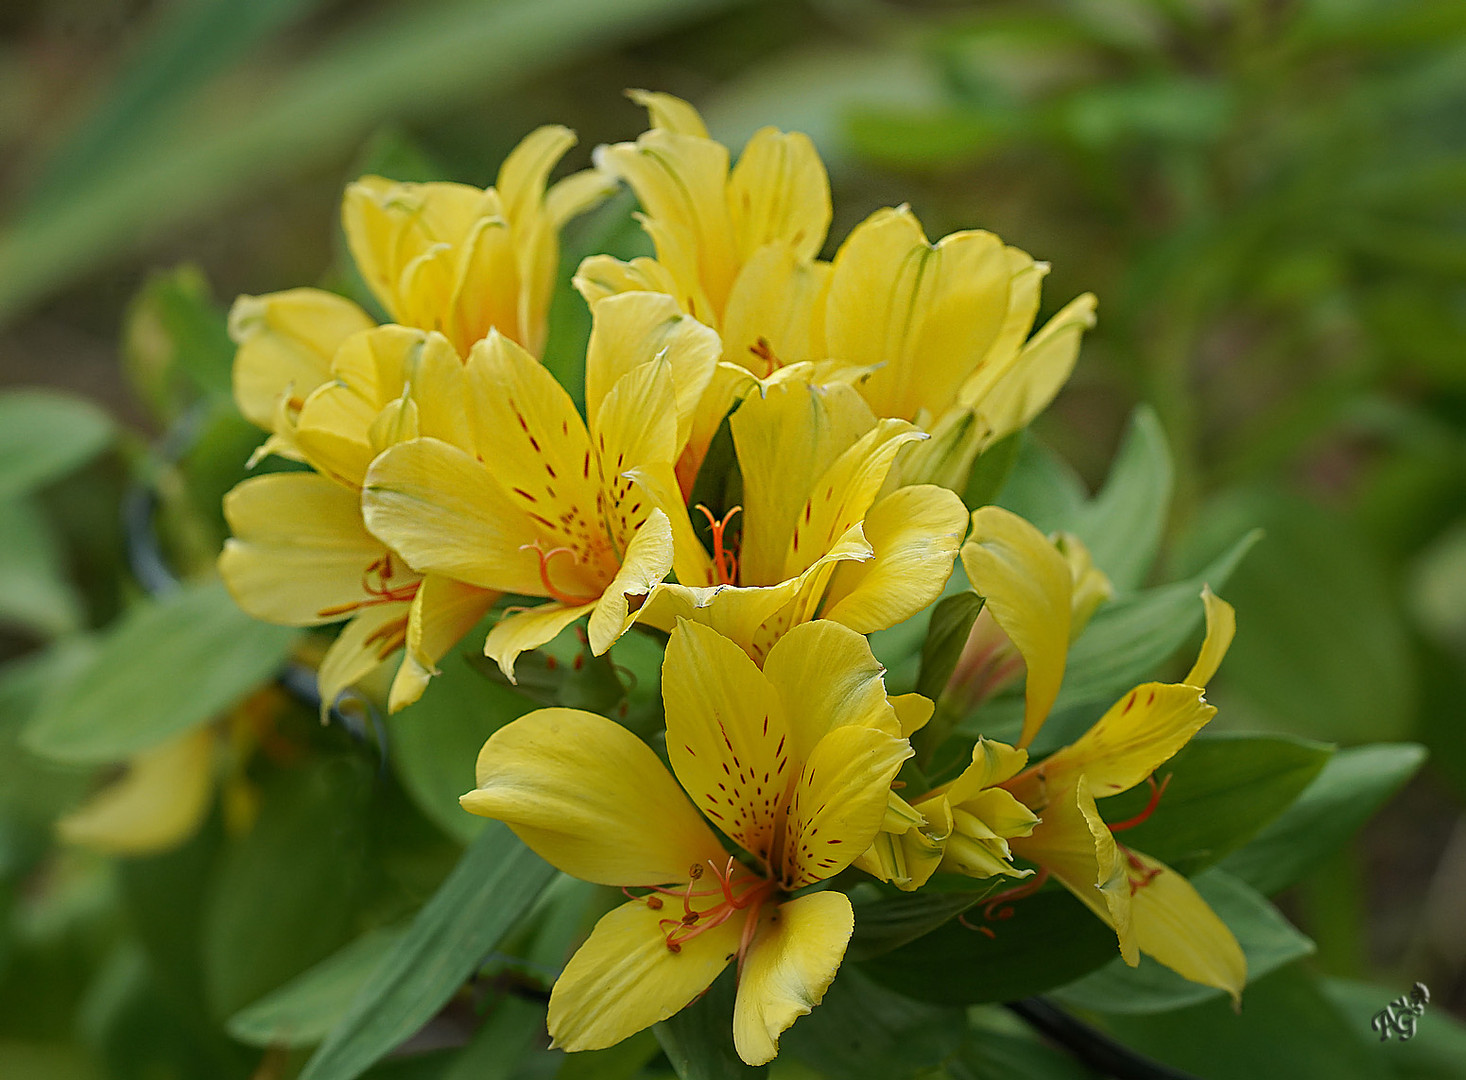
[[945, 325], [819, 539], [300, 554], [446, 257], [526, 499], [1151, 908], [791, 763]]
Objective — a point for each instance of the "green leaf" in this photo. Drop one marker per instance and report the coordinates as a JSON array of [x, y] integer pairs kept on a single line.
[[951, 622], [892, 921], [45, 434], [1050, 939], [863, 1031], [1223, 789], [991, 470], [1122, 525], [1436, 1050], [1287, 1027], [999, 1046], [1124, 644], [1042, 487], [436, 740], [624, 1061], [507, 1035], [35, 790], [1351, 787], [167, 666], [1268, 940], [35, 591], [698, 1041], [176, 342], [285, 896], [305, 1009], [495, 882]]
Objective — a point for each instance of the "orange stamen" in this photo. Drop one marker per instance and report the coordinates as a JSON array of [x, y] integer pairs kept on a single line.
[[692, 922], [992, 911], [376, 583], [551, 591], [725, 561], [1156, 791], [1148, 873]]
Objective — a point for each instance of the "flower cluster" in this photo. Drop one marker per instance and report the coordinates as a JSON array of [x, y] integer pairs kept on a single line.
[[448, 477]]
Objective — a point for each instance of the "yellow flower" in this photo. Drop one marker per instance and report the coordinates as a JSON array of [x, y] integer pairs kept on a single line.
[[525, 498], [791, 763], [945, 326], [300, 554], [819, 538], [1152, 908]]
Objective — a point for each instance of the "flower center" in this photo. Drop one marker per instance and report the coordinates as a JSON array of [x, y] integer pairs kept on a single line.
[[734, 892], [546, 557]]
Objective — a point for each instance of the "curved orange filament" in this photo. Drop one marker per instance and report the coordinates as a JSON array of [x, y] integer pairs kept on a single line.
[[568, 599], [725, 561], [1156, 791], [376, 583], [692, 922], [1147, 873], [992, 910]]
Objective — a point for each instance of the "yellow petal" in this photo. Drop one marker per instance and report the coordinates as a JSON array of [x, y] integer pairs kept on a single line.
[[159, 803], [576, 194], [300, 555], [1027, 588], [1175, 926], [1038, 373], [590, 798], [1221, 625], [633, 328], [690, 562], [790, 965], [364, 644], [624, 978], [839, 802], [785, 440], [441, 613], [827, 677], [525, 171], [775, 310], [525, 630], [670, 113], [1073, 843], [727, 737], [601, 276], [992, 763], [445, 513], [929, 312], [779, 192], [915, 533], [1137, 735], [286, 341], [912, 712], [647, 561], [1091, 587], [494, 280], [728, 386]]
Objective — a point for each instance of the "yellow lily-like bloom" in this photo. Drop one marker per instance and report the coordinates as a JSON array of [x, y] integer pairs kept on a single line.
[[1152, 909], [819, 539], [945, 326], [300, 554], [791, 763], [525, 498]]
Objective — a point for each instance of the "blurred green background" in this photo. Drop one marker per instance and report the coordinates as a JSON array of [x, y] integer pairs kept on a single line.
[[1267, 196]]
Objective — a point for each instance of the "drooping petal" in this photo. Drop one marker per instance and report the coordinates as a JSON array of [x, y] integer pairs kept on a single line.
[[827, 677], [670, 113], [160, 801], [575, 194], [779, 192], [1175, 926], [690, 561], [915, 533], [992, 763], [1221, 625], [647, 561], [727, 736], [590, 798], [624, 978], [286, 341], [1134, 737], [1073, 843], [839, 802], [912, 712], [445, 513], [525, 630], [1027, 588], [300, 555], [1038, 373], [442, 612], [786, 439], [930, 312], [790, 965], [364, 644], [632, 328]]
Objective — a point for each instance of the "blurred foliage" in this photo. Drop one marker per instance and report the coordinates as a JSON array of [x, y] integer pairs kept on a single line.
[[1269, 198]]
